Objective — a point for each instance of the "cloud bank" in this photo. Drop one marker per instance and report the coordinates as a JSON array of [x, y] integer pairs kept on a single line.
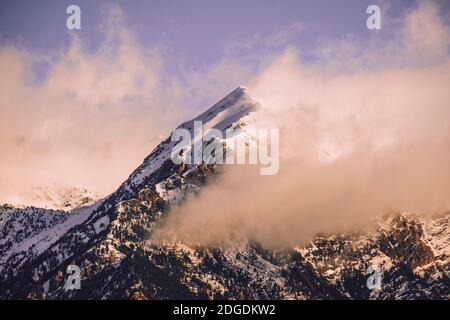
[[79, 118], [355, 143]]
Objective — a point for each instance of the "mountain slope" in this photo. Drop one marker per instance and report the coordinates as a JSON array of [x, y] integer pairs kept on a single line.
[[109, 242]]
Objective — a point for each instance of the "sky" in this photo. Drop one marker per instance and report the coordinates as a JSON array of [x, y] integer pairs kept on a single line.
[[197, 34], [198, 30], [84, 107]]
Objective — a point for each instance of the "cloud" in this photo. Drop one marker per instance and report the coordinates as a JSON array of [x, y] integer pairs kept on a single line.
[[418, 38], [354, 145], [90, 118], [425, 33]]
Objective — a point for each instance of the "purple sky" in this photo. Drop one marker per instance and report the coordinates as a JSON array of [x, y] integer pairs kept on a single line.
[[195, 30]]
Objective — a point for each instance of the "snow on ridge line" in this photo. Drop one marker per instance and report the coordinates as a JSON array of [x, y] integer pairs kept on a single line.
[[221, 115], [41, 241], [240, 93]]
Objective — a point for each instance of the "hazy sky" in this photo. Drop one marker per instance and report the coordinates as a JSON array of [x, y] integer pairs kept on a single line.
[[196, 29], [196, 34]]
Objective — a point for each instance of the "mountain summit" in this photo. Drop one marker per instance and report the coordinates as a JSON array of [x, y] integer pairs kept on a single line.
[[230, 112]]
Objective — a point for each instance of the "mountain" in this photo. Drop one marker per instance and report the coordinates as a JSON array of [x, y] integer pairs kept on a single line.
[[108, 241], [56, 197]]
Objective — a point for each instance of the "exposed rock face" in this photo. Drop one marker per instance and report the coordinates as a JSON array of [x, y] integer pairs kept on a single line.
[[404, 242], [109, 242]]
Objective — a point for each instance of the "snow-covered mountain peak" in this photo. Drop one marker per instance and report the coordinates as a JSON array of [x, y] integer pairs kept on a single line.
[[236, 105], [230, 112]]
